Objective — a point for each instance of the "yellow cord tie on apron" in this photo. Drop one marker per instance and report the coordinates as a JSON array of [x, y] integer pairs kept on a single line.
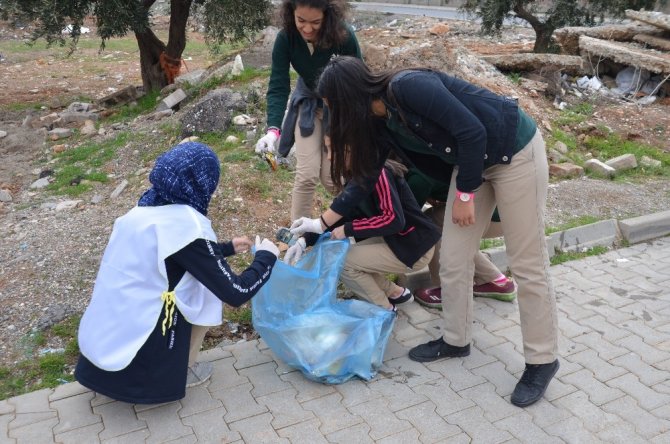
[[168, 298]]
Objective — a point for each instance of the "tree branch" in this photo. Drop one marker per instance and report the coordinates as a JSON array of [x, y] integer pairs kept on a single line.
[[148, 3], [526, 15]]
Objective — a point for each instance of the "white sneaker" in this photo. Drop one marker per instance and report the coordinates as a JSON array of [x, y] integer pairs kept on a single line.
[[199, 373]]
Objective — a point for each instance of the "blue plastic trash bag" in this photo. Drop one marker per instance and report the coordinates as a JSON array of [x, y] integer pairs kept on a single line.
[[298, 315]]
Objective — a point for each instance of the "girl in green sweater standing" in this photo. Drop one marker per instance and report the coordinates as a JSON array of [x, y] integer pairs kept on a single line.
[[312, 32]]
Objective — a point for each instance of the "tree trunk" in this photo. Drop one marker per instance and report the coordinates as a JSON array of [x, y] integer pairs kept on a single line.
[[151, 49], [154, 73], [542, 38]]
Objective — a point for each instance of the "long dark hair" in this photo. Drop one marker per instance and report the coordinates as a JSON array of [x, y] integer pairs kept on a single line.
[[332, 32], [349, 88]]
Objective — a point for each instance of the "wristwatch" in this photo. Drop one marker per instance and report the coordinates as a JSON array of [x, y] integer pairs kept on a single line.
[[465, 197]]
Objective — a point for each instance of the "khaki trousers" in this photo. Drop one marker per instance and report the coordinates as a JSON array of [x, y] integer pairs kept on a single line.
[[520, 191], [312, 166], [366, 266], [198, 333], [485, 270]]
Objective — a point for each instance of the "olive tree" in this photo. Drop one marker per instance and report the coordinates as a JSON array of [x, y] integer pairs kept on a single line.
[[545, 17], [224, 20]]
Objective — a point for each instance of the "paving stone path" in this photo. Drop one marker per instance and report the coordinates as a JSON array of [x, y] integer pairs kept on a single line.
[[613, 385]]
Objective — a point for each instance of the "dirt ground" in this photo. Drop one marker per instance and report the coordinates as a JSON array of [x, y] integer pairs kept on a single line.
[[41, 80]]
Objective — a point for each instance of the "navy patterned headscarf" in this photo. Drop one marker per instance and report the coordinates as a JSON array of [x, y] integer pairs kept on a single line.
[[187, 174]]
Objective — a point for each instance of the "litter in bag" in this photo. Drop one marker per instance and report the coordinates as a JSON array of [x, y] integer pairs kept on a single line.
[[299, 317]]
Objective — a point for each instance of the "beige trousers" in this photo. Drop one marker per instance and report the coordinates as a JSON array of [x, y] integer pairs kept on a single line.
[[312, 166], [520, 191], [485, 270], [198, 333], [366, 266]]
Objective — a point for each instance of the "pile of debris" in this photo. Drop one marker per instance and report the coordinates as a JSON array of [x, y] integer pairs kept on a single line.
[[627, 60]]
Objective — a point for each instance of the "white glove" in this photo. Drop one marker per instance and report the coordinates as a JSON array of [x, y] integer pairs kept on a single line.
[[295, 251], [266, 144], [306, 225], [266, 245]]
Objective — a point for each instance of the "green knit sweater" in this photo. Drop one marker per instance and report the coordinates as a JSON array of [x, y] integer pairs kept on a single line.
[[292, 50]]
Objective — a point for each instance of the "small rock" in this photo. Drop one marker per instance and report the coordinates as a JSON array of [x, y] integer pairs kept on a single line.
[[67, 205], [39, 184], [59, 148], [649, 162], [565, 170], [599, 167], [190, 139], [232, 139], [243, 119], [96, 199], [624, 162], [59, 133], [561, 147], [88, 129], [5, 196], [119, 189], [3, 134], [238, 67], [439, 29], [45, 173]]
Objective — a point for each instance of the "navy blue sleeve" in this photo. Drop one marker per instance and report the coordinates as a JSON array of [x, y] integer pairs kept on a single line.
[[426, 95], [205, 261], [227, 248]]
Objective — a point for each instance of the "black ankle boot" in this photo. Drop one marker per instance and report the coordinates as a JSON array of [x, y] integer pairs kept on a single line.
[[533, 383]]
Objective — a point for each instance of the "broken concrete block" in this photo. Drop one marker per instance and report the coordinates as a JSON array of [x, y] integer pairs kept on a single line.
[[192, 77], [530, 62], [67, 205], [655, 18], [69, 117], [5, 196], [626, 54], [568, 38], [624, 162], [125, 95], [565, 170], [40, 183], [655, 42], [599, 167], [649, 162], [238, 67], [119, 189], [59, 133], [172, 100], [79, 107]]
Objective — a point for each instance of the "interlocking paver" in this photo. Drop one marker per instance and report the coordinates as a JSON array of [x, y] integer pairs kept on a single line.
[[333, 415], [492, 405], [225, 375], [410, 372], [648, 334], [569, 328], [67, 390], [395, 349], [264, 379], [358, 433], [522, 427], [306, 432], [119, 419], [403, 331], [431, 426], [377, 414], [598, 392], [417, 315], [410, 436], [209, 426], [488, 317], [571, 309], [648, 353], [661, 439], [484, 339], [496, 374], [164, 423], [477, 359], [307, 389], [75, 412], [356, 392], [621, 434], [458, 376], [605, 350], [197, 400], [397, 395], [545, 413], [286, 411], [608, 331], [87, 434], [645, 396], [247, 354], [601, 369], [239, 402], [507, 354], [129, 438], [446, 399], [593, 417], [473, 422], [571, 430], [39, 432], [646, 424], [257, 429], [4, 426]]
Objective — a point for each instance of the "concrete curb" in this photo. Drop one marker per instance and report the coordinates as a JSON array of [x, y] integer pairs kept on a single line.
[[605, 233]]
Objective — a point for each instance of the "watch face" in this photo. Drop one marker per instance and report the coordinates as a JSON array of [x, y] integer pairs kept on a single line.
[[465, 197]]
